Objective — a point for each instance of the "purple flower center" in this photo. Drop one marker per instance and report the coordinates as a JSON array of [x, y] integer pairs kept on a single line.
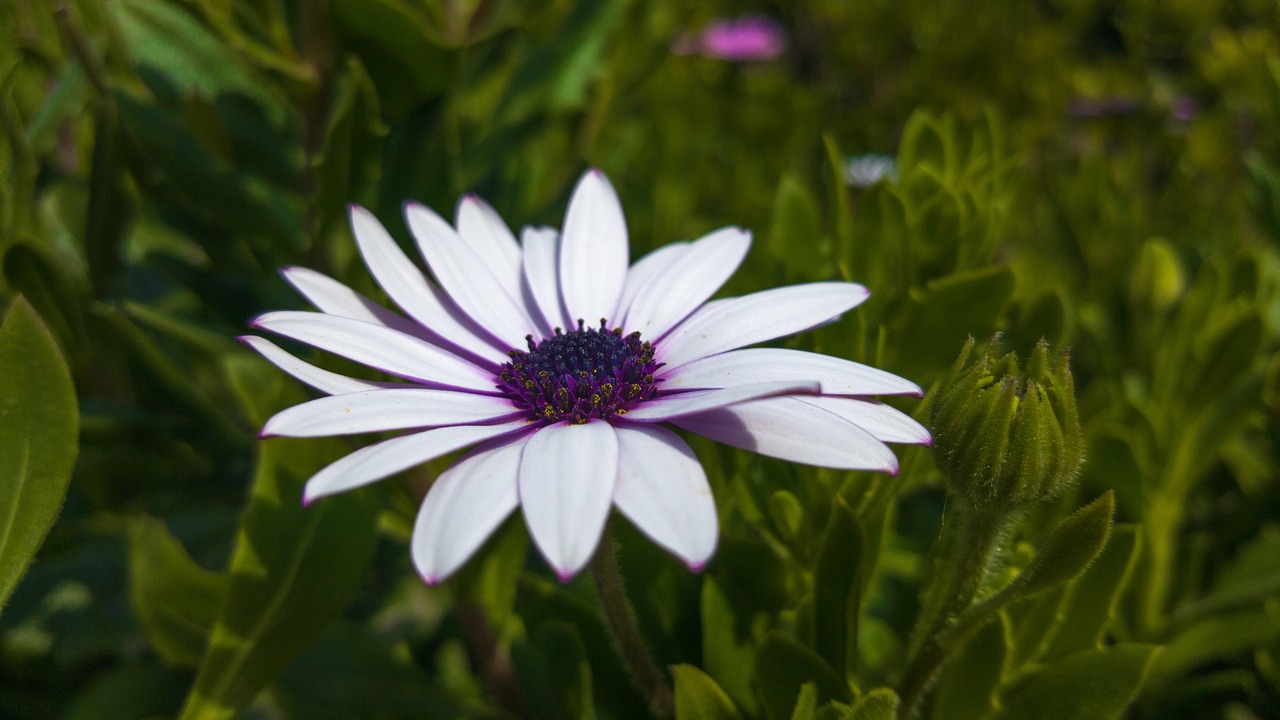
[[580, 375]]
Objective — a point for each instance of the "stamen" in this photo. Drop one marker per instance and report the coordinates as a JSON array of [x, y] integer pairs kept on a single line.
[[584, 374]]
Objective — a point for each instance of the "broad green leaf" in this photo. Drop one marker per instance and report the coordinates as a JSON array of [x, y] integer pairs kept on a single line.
[[837, 590], [725, 655], [293, 568], [165, 37], [879, 704], [554, 672], [175, 600], [40, 426], [795, 223], [1091, 684], [806, 703], [698, 697], [939, 318], [966, 686], [348, 156], [1217, 636], [783, 666], [1091, 602]]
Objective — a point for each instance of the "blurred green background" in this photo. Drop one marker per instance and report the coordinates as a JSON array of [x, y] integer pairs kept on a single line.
[[1103, 175]]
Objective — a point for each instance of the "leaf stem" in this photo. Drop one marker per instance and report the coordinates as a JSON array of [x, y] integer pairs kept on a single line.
[[626, 635]]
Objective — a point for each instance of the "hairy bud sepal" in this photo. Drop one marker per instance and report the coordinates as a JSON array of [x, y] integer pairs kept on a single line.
[[1007, 436]]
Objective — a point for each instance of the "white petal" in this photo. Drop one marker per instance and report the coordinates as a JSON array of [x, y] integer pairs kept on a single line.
[[375, 462], [464, 506], [746, 320], [379, 347], [593, 253], [332, 297], [541, 273], [490, 238], [466, 277], [424, 302], [567, 477], [678, 291], [791, 429], [652, 266], [323, 380], [885, 423], [696, 401], [753, 365], [663, 489], [378, 410]]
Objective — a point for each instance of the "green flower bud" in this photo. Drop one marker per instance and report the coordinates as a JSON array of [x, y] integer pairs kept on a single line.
[[1004, 436]]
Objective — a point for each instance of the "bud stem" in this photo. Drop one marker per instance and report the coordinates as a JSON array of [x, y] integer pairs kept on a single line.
[[974, 543]]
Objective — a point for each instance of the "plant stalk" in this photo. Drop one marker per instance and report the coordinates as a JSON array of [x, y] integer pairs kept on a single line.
[[626, 635]]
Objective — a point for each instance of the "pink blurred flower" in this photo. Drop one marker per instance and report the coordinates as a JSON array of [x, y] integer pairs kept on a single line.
[[748, 38]]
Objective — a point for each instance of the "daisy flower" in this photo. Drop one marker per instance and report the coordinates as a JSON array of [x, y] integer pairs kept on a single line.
[[562, 367]]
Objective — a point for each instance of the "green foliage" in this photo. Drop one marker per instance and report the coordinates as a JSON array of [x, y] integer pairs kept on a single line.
[[1104, 178], [39, 424]]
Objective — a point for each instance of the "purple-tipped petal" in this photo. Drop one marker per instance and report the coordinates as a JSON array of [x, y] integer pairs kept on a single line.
[[467, 278], [567, 477], [594, 250], [789, 429], [750, 319], [378, 410], [753, 365], [375, 462], [541, 275], [646, 271], [332, 297], [379, 347], [323, 380], [404, 282], [490, 238], [885, 423], [678, 291], [464, 506], [663, 490], [697, 401]]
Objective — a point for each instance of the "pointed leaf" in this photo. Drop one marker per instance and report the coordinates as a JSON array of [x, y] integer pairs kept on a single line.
[[40, 425], [698, 697], [1094, 684]]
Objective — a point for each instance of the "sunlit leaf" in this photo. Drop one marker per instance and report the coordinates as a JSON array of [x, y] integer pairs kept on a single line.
[[39, 423]]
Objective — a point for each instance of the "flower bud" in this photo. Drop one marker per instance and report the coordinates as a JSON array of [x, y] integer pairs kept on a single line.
[[1004, 436]]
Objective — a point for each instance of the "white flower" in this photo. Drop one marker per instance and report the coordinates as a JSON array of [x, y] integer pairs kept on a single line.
[[867, 170], [562, 366]]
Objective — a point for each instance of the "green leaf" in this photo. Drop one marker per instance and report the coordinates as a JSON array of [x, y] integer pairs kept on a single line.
[[806, 703], [1091, 601], [967, 684], [879, 704], [726, 656], [1067, 552], [698, 697], [1218, 636], [348, 156], [939, 318], [1091, 684], [165, 37], [292, 570], [554, 672], [837, 590], [796, 223], [782, 668], [40, 424], [175, 600]]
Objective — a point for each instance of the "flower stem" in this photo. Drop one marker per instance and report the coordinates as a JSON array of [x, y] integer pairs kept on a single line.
[[973, 551], [626, 636]]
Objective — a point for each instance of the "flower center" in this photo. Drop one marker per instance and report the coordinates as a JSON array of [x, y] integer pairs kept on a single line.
[[584, 374]]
